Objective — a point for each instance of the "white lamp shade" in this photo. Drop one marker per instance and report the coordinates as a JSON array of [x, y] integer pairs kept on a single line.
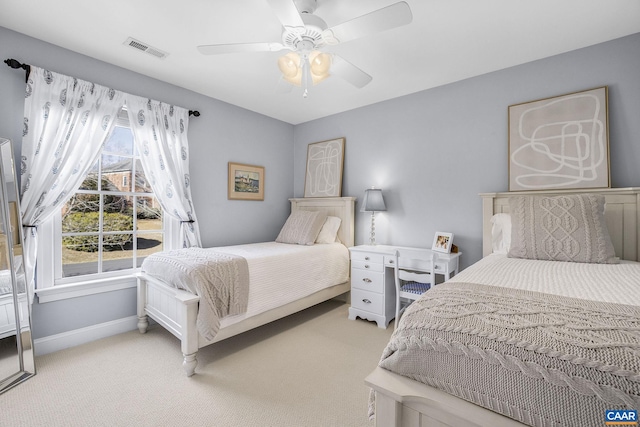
[[373, 201]]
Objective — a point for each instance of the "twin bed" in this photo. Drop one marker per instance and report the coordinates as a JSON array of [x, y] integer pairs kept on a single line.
[[534, 340], [284, 278]]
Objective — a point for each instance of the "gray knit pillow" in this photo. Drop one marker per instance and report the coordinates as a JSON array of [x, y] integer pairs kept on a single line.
[[302, 227], [561, 228]]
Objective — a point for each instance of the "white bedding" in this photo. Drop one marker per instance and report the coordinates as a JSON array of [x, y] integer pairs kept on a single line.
[[615, 283], [280, 273]]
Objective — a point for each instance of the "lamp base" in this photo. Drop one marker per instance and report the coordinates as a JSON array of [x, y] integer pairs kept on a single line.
[[372, 234]]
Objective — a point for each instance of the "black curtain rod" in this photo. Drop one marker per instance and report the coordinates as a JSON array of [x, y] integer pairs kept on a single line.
[[15, 64]]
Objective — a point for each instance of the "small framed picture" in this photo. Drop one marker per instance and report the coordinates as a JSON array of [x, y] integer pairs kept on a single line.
[[246, 182], [442, 242]]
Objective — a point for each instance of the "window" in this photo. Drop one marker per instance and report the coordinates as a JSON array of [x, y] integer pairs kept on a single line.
[[113, 221]]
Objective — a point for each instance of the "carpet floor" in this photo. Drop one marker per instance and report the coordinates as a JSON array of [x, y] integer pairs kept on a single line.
[[305, 370]]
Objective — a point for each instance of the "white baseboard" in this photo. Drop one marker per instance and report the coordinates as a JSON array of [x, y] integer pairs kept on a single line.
[[76, 337]]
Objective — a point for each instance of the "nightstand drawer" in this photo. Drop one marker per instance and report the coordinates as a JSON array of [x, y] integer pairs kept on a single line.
[[367, 280], [367, 265], [365, 256], [367, 301]]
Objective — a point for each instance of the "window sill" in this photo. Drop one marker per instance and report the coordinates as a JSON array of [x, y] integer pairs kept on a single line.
[[60, 292]]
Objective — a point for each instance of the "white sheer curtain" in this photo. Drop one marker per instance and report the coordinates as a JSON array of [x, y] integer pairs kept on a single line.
[[66, 123], [160, 135]]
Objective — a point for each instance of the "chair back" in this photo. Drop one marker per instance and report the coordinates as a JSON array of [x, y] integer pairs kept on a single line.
[[414, 274]]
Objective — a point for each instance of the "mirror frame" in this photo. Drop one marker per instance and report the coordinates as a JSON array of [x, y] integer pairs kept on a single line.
[[21, 300]]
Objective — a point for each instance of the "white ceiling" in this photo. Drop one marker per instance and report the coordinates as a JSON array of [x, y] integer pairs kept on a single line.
[[448, 40]]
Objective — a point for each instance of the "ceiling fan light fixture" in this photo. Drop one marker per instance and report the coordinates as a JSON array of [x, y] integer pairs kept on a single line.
[[290, 66]]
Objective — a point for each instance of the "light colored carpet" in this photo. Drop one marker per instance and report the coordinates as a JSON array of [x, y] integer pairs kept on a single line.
[[304, 370]]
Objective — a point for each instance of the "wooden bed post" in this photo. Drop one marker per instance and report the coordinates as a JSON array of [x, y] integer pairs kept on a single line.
[[143, 322], [189, 345], [388, 411]]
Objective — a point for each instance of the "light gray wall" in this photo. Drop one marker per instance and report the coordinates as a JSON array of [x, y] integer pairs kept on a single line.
[[222, 133], [432, 152]]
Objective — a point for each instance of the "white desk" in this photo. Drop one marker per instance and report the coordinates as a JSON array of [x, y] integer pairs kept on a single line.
[[373, 289]]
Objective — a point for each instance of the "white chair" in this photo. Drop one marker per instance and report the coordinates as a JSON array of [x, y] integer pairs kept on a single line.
[[414, 275]]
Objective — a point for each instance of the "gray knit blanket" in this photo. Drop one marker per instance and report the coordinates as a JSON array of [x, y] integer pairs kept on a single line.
[[221, 281], [541, 359]]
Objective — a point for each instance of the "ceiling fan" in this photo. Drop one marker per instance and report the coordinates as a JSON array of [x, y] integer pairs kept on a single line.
[[306, 35]]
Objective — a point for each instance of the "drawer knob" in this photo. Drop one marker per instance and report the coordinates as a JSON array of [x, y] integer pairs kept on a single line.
[[366, 301], [390, 261], [435, 267], [366, 280], [367, 258], [366, 266]]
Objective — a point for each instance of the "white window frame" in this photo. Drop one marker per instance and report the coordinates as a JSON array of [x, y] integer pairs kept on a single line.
[[49, 252], [51, 286]]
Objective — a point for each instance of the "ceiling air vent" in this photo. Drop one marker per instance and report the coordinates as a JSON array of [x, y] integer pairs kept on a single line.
[[137, 44]]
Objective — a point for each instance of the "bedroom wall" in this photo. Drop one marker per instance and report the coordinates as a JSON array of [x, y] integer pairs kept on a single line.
[[221, 134], [432, 152]]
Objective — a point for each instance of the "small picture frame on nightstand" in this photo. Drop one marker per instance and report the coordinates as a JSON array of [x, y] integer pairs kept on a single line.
[[442, 242]]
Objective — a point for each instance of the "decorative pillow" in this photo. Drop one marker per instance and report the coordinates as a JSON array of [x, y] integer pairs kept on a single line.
[[501, 233], [302, 227], [560, 228], [329, 231]]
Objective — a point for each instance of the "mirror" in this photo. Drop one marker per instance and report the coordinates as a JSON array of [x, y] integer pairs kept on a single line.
[[16, 345]]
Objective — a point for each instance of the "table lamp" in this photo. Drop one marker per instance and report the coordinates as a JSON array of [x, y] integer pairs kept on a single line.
[[373, 202]]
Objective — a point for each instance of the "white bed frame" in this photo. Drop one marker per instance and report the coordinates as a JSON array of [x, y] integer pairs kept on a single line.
[[404, 402], [176, 310]]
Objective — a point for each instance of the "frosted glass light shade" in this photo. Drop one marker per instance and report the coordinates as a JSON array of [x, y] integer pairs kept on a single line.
[[291, 67]]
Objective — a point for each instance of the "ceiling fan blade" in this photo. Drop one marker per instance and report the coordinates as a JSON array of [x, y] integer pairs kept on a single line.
[[349, 72], [389, 17], [219, 49], [287, 13]]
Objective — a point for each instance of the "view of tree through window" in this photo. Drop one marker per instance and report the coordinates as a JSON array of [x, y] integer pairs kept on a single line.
[[113, 221]]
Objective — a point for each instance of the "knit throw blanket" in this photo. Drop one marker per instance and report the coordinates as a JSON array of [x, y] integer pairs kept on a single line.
[[541, 359], [220, 280]]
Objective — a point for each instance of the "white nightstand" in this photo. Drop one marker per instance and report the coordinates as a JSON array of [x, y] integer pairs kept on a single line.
[[373, 289]]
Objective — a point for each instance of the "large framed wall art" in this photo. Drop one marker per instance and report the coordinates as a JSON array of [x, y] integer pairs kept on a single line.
[[560, 142], [325, 161]]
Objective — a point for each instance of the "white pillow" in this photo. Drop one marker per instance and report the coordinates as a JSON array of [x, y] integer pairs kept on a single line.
[[329, 231], [501, 233], [302, 227]]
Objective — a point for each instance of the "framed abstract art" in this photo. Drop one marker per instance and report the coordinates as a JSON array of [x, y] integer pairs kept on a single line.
[[325, 161], [560, 142]]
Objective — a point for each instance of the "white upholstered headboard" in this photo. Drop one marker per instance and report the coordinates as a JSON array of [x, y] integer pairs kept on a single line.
[[622, 213], [342, 207]]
